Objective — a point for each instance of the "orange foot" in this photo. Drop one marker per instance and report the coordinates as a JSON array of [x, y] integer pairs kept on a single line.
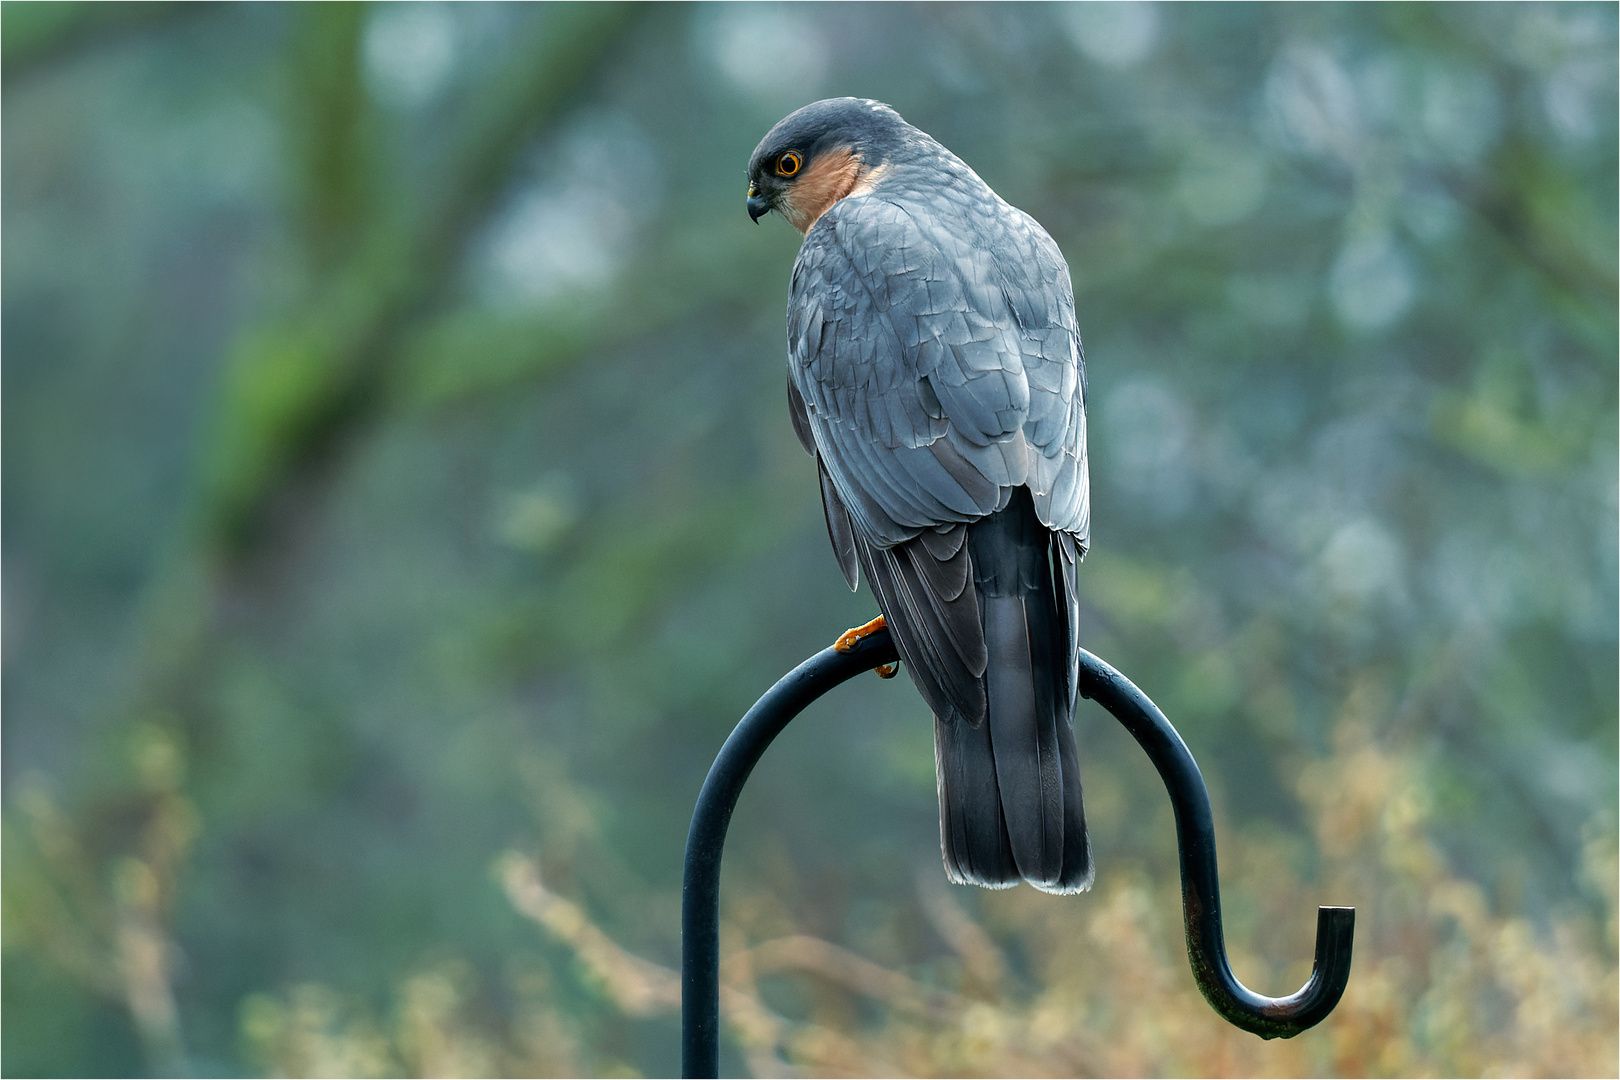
[[847, 640]]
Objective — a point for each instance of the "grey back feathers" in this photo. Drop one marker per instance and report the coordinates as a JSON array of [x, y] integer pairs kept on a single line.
[[932, 333]]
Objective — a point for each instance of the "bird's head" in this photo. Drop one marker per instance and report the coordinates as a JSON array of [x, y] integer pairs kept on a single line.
[[822, 153]]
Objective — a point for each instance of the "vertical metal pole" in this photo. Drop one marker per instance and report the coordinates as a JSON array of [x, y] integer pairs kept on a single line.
[[700, 883]]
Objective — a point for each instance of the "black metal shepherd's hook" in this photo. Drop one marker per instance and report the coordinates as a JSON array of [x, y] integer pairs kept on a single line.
[[1270, 1018]]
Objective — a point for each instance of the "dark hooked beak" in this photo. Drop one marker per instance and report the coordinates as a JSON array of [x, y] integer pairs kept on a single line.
[[758, 207]]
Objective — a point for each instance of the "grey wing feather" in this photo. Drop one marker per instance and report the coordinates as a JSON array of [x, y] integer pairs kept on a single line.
[[840, 531], [801, 417], [934, 376], [939, 639]]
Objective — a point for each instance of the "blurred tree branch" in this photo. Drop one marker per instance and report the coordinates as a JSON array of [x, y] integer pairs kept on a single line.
[[297, 387]]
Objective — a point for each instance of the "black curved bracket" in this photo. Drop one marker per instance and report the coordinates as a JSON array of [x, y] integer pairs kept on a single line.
[[1270, 1018]]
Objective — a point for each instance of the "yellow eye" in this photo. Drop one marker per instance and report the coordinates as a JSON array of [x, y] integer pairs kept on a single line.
[[788, 163]]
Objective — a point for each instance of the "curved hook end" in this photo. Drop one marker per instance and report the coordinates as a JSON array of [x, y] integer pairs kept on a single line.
[[1281, 1018], [1335, 940], [1270, 1018]]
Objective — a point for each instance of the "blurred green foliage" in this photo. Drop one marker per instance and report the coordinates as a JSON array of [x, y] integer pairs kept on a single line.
[[400, 506]]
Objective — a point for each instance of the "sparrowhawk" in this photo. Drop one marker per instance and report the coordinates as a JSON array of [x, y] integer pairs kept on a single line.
[[935, 373]]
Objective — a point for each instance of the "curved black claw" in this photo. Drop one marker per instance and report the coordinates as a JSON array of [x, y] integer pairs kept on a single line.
[[1270, 1018]]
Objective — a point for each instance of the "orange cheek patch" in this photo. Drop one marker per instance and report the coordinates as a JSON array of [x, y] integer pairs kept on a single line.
[[833, 176]]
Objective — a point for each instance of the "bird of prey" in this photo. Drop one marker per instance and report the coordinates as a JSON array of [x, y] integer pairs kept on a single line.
[[935, 373]]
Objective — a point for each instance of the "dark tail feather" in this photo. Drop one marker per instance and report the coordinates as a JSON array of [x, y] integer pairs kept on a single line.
[[1027, 744], [1078, 868], [1023, 737], [972, 833]]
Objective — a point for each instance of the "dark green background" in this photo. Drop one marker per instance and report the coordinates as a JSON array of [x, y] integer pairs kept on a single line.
[[397, 470]]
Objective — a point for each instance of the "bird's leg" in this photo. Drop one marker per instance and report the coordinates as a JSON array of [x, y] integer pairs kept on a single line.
[[848, 639]]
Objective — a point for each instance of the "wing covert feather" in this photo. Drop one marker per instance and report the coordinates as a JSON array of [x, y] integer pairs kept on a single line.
[[938, 368]]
